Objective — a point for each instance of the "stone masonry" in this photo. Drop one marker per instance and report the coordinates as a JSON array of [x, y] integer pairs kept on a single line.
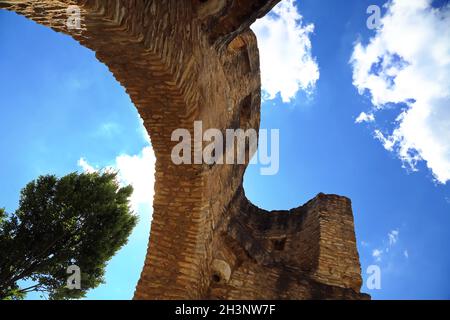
[[187, 60]]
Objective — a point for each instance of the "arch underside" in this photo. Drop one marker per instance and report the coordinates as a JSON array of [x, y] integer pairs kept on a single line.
[[189, 60]]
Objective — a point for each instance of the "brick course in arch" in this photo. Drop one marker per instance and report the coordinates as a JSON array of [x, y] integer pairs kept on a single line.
[[187, 60]]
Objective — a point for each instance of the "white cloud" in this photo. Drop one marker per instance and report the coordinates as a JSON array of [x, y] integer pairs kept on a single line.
[[137, 170], [287, 65], [388, 247], [377, 253], [365, 117], [143, 131], [83, 164], [388, 143], [406, 254], [407, 63], [393, 237]]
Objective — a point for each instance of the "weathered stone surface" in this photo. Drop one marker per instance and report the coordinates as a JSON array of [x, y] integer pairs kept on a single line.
[[187, 60]]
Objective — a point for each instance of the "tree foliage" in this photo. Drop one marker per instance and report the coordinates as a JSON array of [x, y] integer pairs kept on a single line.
[[79, 219]]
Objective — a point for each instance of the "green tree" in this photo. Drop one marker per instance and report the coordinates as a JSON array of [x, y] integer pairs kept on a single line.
[[79, 219]]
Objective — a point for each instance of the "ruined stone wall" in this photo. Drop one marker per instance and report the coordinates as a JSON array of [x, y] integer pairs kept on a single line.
[[187, 60], [305, 253]]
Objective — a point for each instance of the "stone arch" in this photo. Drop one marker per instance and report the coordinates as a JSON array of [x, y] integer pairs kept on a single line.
[[182, 61]]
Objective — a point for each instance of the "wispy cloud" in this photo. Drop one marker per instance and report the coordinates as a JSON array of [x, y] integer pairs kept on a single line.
[[109, 129], [407, 65], [287, 65], [387, 248], [377, 253], [393, 237], [365, 117]]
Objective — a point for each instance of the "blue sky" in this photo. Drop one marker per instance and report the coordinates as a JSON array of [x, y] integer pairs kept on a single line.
[[61, 111]]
